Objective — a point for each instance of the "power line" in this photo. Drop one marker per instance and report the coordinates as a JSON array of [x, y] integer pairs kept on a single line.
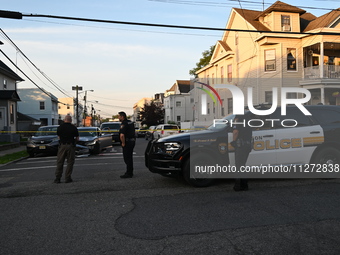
[[219, 4], [18, 15], [42, 73], [48, 94]]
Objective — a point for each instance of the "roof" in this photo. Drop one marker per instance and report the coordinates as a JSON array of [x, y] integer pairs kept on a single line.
[[4, 69], [184, 86], [9, 95], [279, 6], [323, 21], [24, 117], [250, 16]]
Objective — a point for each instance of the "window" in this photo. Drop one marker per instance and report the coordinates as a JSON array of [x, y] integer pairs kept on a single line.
[[12, 113], [42, 105], [222, 74], [230, 73], [5, 84], [291, 95], [268, 97], [270, 61], [291, 59], [230, 105], [208, 108], [285, 23], [178, 103], [178, 118]]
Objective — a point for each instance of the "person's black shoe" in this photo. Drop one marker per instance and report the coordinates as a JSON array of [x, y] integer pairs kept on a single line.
[[68, 180], [124, 176], [56, 180]]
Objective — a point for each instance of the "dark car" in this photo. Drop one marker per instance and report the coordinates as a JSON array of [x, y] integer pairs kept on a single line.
[[141, 132], [45, 141], [149, 133], [94, 139], [302, 145], [111, 128]]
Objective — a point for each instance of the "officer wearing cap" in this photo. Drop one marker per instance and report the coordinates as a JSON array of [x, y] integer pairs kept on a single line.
[[68, 136], [127, 141], [242, 137]]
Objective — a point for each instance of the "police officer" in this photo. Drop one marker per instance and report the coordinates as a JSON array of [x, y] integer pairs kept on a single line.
[[68, 136], [242, 137], [127, 141]]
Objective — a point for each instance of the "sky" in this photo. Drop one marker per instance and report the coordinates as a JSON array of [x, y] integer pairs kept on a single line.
[[121, 63]]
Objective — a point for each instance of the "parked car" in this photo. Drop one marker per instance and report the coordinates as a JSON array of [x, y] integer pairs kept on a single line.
[[141, 132], [111, 128], [94, 139], [149, 133], [45, 142], [164, 130]]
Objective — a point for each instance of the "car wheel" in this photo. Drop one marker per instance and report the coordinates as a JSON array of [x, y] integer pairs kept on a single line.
[[31, 154], [197, 179], [328, 156], [96, 149]]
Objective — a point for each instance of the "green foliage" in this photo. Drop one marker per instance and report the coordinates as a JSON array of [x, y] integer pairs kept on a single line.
[[11, 157], [152, 114], [206, 56]]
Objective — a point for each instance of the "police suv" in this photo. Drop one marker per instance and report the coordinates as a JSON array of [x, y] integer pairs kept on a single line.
[[296, 140]]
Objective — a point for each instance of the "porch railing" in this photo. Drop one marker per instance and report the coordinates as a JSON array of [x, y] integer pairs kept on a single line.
[[329, 72]]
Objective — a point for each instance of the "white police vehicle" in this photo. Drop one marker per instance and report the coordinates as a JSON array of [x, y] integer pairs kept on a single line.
[[293, 139]]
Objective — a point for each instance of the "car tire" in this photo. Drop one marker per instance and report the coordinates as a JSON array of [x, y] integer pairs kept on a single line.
[[96, 149], [198, 158], [327, 156]]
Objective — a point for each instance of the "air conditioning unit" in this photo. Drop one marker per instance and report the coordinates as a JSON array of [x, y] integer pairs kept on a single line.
[[286, 28]]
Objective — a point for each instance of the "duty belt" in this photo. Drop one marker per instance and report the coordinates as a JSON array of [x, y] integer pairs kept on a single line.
[[130, 139]]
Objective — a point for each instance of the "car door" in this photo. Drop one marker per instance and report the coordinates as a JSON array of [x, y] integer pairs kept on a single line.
[[295, 145], [264, 151]]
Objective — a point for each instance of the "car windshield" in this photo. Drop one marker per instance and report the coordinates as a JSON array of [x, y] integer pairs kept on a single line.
[[111, 126], [170, 127], [45, 131], [87, 132], [221, 123]]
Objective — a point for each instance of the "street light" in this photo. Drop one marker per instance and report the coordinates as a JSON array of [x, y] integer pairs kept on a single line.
[[77, 88], [85, 110]]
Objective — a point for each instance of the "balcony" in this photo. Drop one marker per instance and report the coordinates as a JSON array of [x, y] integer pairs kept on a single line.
[[316, 72]]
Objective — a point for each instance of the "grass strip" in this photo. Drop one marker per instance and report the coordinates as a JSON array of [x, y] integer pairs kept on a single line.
[[13, 156]]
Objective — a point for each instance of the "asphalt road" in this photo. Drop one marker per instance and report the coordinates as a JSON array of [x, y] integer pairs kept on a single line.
[[99, 213]]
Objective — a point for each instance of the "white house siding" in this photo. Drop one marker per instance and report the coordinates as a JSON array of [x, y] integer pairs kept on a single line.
[[30, 105]]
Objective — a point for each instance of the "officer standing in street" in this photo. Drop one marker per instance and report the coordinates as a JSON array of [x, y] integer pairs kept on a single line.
[[68, 136], [242, 137], [127, 141]]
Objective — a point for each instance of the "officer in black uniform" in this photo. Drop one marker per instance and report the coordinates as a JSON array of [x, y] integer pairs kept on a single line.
[[68, 136], [127, 141], [242, 137]]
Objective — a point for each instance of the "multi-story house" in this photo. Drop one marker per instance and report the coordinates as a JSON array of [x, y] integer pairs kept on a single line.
[[39, 104], [137, 107], [177, 103], [282, 46], [8, 98]]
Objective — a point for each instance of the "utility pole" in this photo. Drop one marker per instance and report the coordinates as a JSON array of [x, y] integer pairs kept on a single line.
[[77, 88]]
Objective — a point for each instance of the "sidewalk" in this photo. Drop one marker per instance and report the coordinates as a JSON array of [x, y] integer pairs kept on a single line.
[[12, 150]]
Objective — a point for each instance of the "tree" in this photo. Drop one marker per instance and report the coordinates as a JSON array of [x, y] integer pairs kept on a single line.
[[152, 114], [203, 61]]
